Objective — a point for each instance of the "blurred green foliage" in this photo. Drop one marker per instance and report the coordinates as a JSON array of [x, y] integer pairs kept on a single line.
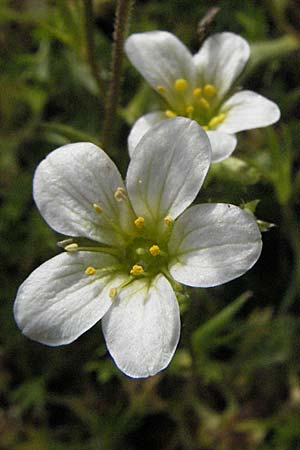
[[234, 383]]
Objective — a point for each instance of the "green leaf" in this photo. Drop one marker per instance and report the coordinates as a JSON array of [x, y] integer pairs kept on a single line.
[[202, 336]]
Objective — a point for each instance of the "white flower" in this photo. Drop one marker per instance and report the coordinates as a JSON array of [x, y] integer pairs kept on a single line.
[[199, 86], [136, 245]]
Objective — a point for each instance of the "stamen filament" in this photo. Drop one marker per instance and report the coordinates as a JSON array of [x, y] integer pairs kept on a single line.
[[109, 250], [113, 292]]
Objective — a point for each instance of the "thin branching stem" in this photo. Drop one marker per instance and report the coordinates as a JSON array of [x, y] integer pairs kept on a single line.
[[90, 44], [121, 27]]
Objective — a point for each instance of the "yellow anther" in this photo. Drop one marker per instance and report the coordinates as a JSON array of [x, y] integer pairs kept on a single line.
[[205, 127], [97, 208], [65, 242], [180, 85], [170, 114], [136, 270], [209, 90], [154, 250], [197, 92], [139, 222], [216, 120], [204, 103], [190, 110], [71, 247], [90, 270], [120, 194], [113, 293], [160, 89], [168, 221]]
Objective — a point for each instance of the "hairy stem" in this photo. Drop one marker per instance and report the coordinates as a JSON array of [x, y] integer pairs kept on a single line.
[[121, 27]]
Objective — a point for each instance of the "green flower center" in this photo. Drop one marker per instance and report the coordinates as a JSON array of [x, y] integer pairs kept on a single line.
[[144, 254], [198, 103], [145, 257]]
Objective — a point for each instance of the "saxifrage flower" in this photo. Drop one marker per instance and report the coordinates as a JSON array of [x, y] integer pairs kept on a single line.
[[133, 244], [199, 86]]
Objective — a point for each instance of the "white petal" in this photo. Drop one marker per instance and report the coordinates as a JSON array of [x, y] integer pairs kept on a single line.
[[140, 127], [161, 58], [212, 244], [221, 59], [222, 145], [67, 184], [143, 326], [167, 168], [246, 110], [58, 301]]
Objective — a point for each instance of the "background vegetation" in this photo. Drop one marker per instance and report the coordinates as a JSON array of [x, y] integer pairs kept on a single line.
[[234, 383]]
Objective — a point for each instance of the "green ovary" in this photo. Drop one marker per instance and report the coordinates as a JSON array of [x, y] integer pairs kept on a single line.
[[198, 103], [145, 257]]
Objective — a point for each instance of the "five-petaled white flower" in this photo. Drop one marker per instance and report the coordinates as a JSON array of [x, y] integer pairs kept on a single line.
[[136, 245], [199, 86]]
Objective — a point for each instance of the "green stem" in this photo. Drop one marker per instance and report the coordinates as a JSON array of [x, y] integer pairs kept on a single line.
[[90, 43], [121, 25]]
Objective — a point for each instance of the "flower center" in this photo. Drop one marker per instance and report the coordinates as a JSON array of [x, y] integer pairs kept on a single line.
[[198, 103]]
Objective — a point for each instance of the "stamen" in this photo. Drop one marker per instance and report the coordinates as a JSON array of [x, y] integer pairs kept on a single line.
[[120, 194], [139, 222], [154, 250], [140, 251], [180, 85], [72, 247], [197, 92], [170, 114], [209, 90], [190, 110], [204, 103], [90, 270], [216, 120], [113, 293], [65, 242], [160, 89], [97, 208], [137, 270], [168, 221]]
